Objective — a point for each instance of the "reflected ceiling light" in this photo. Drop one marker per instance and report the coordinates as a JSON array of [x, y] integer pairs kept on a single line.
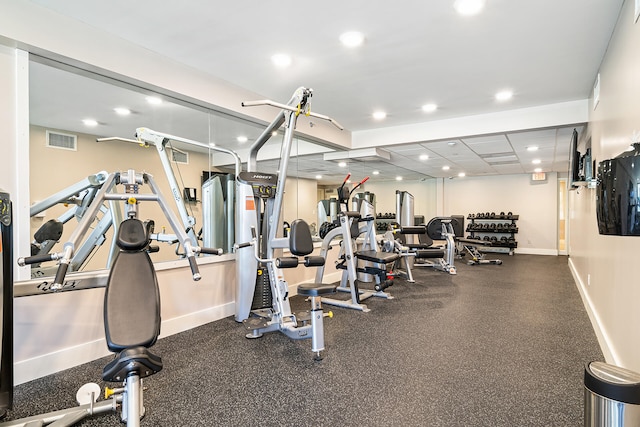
[[242, 139], [122, 111], [424, 157], [462, 174], [445, 168], [90, 122], [537, 170], [532, 148], [376, 172], [352, 38], [342, 164], [504, 95], [318, 176], [469, 7], [281, 60], [451, 143], [153, 100], [429, 108], [379, 115], [274, 133], [212, 144], [536, 161], [398, 178]]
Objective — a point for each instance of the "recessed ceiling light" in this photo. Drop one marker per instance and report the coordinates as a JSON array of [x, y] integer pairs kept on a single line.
[[154, 100], [469, 7], [281, 60], [462, 174], [537, 170], [376, 172], [122, 111], [424, 157], [445, 168], [274, 133], [352, 38], [451, 143], [398, 178], [318, 176], [429, 108], [90, 122], [242, 139], [504, 95], [379, 115], [536, 161], [532, 148], [342, 164]]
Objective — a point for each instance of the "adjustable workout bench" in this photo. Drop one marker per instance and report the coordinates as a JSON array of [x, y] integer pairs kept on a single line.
[[470, 246]]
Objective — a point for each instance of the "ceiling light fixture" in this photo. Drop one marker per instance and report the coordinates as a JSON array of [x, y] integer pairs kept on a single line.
[[398, 178], [451, 143], [429, 108], [90, 122], [532, 148], [424, 157], [536, 161], [212, 144], [242, 139], [469, 7], [153, 100], [537, 170], [376, 172], [342, 164], [318, 176], [379, 115], [352, 38], [281, 60], [462, 174], [504, 95], [122, 111], [445, 168]]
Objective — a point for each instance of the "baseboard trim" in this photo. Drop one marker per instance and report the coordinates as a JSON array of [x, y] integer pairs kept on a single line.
[[37, 367], [533, 251], [603, 339]]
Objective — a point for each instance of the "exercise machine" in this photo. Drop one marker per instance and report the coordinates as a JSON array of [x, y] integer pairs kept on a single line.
[[360, 258], [131, 305], [6, 304], [262, 294], [472, 248]]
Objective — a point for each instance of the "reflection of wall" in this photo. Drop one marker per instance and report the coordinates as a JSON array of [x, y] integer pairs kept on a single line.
[[54, 169], [424, 195], [605, 267], [300, 200]]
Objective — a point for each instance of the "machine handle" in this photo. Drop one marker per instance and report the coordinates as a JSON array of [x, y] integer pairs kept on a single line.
[[60, 275], [36, 259], [212, 251], [194, 268], [242, 245]]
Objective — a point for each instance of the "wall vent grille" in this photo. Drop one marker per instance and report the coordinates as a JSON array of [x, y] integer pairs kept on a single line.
[[180, 157], [61, 140]]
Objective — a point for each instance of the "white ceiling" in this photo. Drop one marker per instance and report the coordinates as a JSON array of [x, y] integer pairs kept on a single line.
[[415, 52]]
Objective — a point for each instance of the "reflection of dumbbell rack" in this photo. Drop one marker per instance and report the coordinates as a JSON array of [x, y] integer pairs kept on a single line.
[[499, 229], [383, 220]]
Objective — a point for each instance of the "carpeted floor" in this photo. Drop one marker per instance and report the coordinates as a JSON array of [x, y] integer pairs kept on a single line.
[[494, 345]]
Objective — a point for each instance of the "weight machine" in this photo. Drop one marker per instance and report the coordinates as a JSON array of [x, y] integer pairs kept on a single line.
[[262, 294], [356, 256], [131, 304]]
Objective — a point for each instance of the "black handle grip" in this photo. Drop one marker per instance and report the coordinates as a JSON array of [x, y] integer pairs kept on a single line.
[[242, 245], [61, 273], [153, 248], [212, 251], [36, 259], [194, 268]]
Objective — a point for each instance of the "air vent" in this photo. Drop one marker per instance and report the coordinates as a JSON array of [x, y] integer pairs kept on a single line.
[[61, 140], [180, 156]]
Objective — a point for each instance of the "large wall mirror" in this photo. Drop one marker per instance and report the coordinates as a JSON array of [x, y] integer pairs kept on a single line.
[[83, 125]]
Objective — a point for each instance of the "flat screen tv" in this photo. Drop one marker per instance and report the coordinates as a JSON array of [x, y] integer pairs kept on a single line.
[[574, 161], [617, 197]]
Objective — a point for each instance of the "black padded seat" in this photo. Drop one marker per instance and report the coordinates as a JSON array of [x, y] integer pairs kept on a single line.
[[377, 257], [315, 289], [414, 246], [430, 253]]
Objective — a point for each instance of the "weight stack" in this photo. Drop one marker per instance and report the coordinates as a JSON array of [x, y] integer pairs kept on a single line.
[[262, 296]]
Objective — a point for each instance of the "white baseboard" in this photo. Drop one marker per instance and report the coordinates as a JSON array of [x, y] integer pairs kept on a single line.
[[601, 334], [533, 251], [37, 367]]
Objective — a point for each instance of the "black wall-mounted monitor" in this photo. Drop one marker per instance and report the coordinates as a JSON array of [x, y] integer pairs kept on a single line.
[[574, 161], [618, 200]]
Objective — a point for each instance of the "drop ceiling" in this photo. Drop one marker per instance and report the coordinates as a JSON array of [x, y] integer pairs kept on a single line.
[[415, 52]]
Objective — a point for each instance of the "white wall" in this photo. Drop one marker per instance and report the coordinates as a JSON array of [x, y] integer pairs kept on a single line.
[[605, 267], [423, 192], [535, 203]]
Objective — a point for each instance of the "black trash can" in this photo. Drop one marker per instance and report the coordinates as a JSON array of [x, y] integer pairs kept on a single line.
[[611, 396]]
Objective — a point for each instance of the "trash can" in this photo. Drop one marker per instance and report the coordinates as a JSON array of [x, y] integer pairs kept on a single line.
[[611, 396]]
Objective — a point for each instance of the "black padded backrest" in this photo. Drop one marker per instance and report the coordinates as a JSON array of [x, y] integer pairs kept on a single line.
[[424, 239], [132, 297], [300, 241]]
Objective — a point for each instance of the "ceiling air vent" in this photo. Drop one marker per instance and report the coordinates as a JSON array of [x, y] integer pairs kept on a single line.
[[61, 140], [180, 156]]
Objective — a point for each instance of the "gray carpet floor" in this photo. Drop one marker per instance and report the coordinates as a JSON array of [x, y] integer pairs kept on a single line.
[[494, 345]]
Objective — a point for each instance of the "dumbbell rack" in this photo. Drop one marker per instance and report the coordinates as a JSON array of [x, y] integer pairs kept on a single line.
[[500, 229], [383, 220]]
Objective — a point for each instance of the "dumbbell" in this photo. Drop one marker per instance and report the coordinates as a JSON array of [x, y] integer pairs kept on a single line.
[[502, 214]]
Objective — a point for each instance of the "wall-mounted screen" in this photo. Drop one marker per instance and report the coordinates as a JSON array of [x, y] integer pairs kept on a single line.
[[618, 203]]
